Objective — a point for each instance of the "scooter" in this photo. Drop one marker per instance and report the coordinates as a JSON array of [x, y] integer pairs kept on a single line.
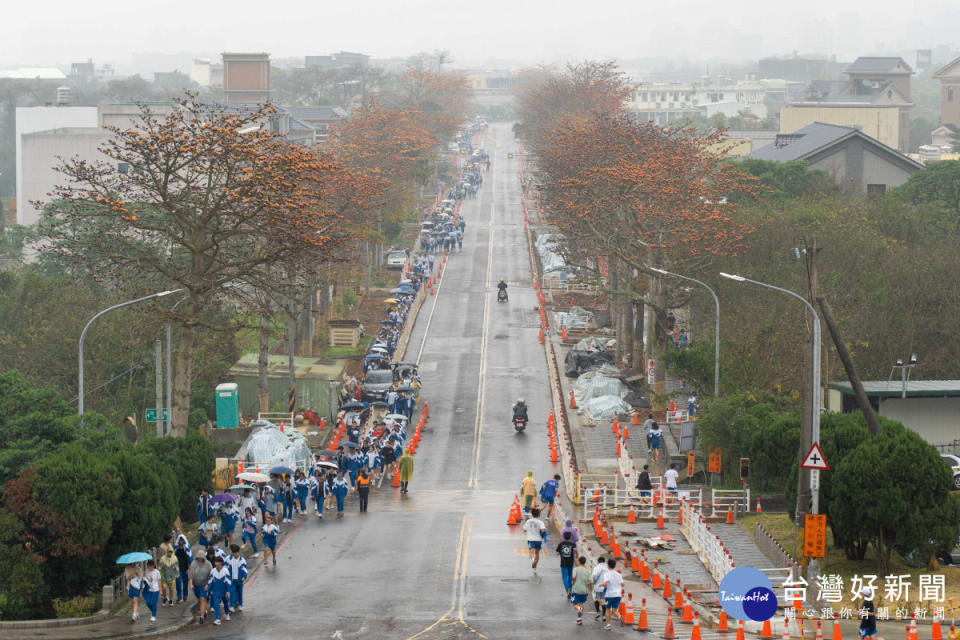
[[502, 295], [519, 424]]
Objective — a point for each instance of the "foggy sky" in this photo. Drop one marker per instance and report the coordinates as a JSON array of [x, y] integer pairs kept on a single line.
[[51, 33]]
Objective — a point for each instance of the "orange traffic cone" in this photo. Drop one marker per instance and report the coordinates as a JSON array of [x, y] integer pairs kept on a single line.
[[628, 617], [553, 455], [660, 524], [819, 635], [740, 635], [678, 600], [642, 618], [551, 423], [644, 571], [396, 480], [563, 331], [688, 612], [667, 591], [668, 632], [766, 631], [695, 634], [786, 628], [632, 516], [636, 418], [541, 336], [935, 632], [573, 404], [912, 629], [655, 583], [239, 466], [729, 515], [759, 510], [953, 635], [635, 563], [723, 626], [837, 633]]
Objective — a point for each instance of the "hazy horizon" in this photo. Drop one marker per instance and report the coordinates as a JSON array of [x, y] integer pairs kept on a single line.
[[56, 33]]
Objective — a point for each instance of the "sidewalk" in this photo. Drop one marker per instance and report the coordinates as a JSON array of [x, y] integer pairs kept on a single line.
[[169, 619]]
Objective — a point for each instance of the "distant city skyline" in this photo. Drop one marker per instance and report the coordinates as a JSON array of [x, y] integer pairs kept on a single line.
[[527, 32]]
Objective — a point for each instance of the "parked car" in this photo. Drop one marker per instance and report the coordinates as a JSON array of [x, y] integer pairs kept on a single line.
[[396, 259], [376, 384], [954, 462]]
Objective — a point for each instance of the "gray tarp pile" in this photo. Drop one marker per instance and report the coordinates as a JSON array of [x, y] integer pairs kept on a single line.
[[599, 393], [579, 362], [545, 246], [270, 447], [591, 343]]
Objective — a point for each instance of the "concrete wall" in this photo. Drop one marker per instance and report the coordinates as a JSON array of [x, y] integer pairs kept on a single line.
[[32, 119], [937, 420], [39, 157], [881, 123]]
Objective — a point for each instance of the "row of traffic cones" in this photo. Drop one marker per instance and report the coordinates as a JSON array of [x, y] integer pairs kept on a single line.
[[552, 435], [421, 422]]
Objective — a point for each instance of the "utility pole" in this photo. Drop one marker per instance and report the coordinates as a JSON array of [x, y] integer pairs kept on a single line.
[[159, 376]]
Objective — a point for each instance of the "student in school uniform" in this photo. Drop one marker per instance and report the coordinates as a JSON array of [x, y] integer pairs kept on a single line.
[[268, 505], [248, 501], [353, 466], [302, 488], [228, 521], [238, 574], [134, 578], [286, 492], [151, 594], [339, 488], [318, 490], [219, 587], [208, 532], [269, 534], [249, 531], [204, 506]]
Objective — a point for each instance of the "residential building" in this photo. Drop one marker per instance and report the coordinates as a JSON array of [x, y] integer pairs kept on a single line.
[[200, 72], [246, 77], [662, 103], [799, 69], [945, 137], [949, 77], [33, 73], [319, 119], [855, 160], [83, 70], [875, 98]]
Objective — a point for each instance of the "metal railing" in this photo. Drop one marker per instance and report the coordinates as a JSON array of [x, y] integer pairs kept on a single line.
[[613, 500], [706, 544], [723, 500], [770, 547]]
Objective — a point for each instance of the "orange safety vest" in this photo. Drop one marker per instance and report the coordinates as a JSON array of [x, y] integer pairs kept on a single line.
[[363, 482]]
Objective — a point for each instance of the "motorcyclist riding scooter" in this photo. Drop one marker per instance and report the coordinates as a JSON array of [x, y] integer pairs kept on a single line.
[[520, 415], [502, 291]]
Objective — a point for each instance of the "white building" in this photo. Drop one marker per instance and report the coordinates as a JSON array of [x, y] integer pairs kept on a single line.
[[30, 120], [931, 407], [45, 134], [662, 103]]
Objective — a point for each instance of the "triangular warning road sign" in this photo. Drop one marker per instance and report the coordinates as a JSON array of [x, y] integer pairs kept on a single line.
[[814, 459]]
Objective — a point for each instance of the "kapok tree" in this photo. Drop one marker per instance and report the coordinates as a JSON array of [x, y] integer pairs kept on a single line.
[[196, 199]]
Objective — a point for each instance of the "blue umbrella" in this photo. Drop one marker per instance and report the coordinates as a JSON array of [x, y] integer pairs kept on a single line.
[[282, 470], [136, 556]]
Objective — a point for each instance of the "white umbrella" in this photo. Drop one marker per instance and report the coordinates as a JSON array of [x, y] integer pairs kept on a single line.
[[253, 476]]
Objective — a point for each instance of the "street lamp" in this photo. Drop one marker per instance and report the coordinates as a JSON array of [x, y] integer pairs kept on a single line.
[[815, 382], [716, 337], [905, 371], [83, 335]]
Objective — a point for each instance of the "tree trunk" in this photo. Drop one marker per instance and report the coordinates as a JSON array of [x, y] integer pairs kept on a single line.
[[183, 379], [616, 315], [263, 359], [628, 329]]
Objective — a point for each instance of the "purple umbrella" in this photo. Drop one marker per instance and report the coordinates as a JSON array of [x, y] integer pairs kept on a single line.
[[223, 497]]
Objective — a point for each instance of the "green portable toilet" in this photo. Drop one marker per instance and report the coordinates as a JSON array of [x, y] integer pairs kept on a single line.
[[228, 406]]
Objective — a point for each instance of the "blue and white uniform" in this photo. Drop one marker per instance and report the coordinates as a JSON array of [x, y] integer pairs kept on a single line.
[[238, 574], [218, 587], [269, 534]]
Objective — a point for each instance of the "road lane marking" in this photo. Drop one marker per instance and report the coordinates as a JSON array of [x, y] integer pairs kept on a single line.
[[482, 382]]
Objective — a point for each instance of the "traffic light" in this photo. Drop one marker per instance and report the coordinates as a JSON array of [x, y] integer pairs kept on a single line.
[[744, 468]]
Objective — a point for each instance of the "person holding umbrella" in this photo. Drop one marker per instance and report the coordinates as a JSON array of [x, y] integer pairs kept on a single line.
[[406, 471], [134, 577], [318, 490]]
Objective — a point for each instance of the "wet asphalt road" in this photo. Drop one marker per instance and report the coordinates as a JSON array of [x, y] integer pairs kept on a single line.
[[441, 562]]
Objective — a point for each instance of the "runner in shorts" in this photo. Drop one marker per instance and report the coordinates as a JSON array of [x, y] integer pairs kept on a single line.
[[596, 578], [581, 587], [536, 532], [868, 620], [613, 583]]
